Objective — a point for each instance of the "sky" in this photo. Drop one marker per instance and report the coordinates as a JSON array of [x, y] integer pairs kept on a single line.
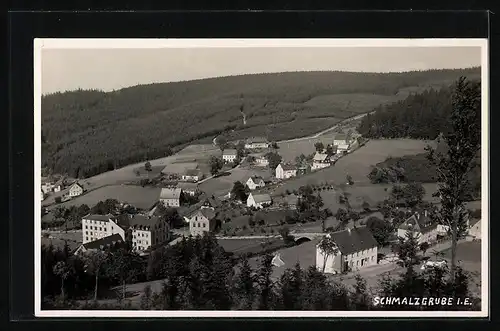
[[111, 69]]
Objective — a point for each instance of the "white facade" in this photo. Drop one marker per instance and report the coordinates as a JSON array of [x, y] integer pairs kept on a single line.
[[147, 236], [475, 231], [258, 201], [47, 187], [171, 202], [199, 224], [97, 227], [339, 263], [57, 188], [75, 190], [257, 145], [319, 165], [261, 161], [170, 197], [192, 178], [283, 172], [228, 158], [252, 185], [42, 196]]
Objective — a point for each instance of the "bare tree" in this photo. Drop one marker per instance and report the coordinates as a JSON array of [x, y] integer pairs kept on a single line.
[[462, 143]]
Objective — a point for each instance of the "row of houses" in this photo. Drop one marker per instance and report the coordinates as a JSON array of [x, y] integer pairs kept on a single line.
[[76, 189]]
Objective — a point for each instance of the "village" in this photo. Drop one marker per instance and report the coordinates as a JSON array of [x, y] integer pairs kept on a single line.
[[256, 215]]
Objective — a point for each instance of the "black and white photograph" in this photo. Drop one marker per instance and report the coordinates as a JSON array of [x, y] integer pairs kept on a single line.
[[261, 178]]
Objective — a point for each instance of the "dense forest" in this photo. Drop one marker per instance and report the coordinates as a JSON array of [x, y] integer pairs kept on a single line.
[[423, 115], [86, 132], [197, 274]]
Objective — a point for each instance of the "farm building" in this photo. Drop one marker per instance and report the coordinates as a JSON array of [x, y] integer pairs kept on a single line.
[[188, 188], [259, 200], [104, 243], [356, 248], [474, 232], [285, 171], [256, 143], [422, 227], [209, 201], [255, 182], [342, 142], [203, 220], [320, 161], [170, 197], [229, 155], [191, 175], [75, 190]]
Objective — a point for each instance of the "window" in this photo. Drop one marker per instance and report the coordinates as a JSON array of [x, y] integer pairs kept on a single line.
[[86, 227], [86, 232], [91, 234], [204, 225], [86, 238]]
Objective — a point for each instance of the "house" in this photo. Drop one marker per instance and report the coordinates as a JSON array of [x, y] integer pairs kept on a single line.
[[285, 171], [191, 175], [47, 187], [107, 242], [171, 196], [320, 161], [255, 182], [229, 155], [474, 232], [421, 225], [256, 143], [146, 231], [203, 220], [259, 200], [189, 188], [75, 190], [261, 161], [356, 249], [342, 142], [209, 202], [95, 227], [58, 186]]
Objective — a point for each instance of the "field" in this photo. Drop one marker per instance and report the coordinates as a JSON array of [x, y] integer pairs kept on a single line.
[[222, 185], [357, 164], [140, 197]]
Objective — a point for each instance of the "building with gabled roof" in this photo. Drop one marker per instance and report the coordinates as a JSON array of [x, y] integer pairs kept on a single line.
[[320, 161], [147, 231], [356, 248], [255, 182], [201, 221], [285, 171], [191, 175], [256, 143], [75, 190], [170, 196], [259, 200], [422, 226], [229, 155], [95, 227], [105, 243]]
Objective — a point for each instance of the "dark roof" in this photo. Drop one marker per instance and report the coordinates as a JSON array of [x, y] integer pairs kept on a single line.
[[288, 167], [101, 218], [256, 179], [103, 242], [354, 240], [142, 220], [418, 222], [208, 213], [170, 193], [78, 184], [211, 200], [192, 172], [261, 197], [189, 211], [230, 152]]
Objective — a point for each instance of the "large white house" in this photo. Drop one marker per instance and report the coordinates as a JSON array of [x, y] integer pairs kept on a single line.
[[285, 171], [191, 175], [229, 155], [147, 231], [342, 142], [75, 190], [320, 161], [203, 220], [257, 143], [255, 182], [95, 227], [259, 200], [422, 227], [261, 161], [170, 196], [354, 249]]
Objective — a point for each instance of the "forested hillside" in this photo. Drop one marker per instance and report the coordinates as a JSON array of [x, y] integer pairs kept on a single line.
[[88, 132], [420, 116]]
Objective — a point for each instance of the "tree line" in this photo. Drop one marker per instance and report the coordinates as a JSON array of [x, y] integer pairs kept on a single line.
[[197, 274]]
